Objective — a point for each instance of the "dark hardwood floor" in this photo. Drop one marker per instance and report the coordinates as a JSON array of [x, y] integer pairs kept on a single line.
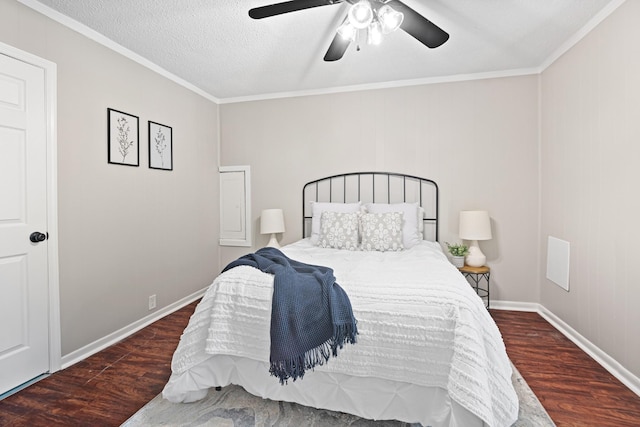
[[106, 388], [574, 389], [109, 387]]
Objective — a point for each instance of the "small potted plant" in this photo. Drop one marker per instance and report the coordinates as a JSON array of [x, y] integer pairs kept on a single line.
[[458, 252]]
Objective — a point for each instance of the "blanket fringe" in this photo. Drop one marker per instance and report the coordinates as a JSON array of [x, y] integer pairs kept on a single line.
[[343, 333], [295, 367]]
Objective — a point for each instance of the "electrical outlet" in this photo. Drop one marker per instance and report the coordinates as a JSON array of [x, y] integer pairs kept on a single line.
[[152, 302]]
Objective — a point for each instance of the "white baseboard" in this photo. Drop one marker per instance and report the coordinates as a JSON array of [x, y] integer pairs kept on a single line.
[[609, 363], [516, 306], [119, 335]]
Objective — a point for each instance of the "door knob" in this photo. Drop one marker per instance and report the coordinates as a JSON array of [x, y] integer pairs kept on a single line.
[[36, 237]]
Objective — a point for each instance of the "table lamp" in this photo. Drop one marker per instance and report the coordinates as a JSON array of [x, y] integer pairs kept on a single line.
[[474, 226], [272, 222]]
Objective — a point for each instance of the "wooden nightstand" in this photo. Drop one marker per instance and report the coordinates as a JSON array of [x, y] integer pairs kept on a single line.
[[479, 276]]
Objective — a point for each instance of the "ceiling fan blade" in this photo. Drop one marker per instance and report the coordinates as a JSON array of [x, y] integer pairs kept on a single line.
[[416, 25], [337, 48], [287, 6]]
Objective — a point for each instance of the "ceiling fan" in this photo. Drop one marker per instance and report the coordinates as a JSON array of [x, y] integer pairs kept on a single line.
[[368, 14]]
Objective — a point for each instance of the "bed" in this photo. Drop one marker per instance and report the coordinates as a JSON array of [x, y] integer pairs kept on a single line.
[[428, 351]]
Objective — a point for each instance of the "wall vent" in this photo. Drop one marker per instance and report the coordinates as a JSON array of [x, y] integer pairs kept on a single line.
[[558, 262]]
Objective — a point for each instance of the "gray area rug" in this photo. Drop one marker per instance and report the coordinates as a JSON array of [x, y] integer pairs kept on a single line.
[[234, 407]]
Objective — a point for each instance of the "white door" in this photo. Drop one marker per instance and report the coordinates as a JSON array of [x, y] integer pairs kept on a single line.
[[24, 288]]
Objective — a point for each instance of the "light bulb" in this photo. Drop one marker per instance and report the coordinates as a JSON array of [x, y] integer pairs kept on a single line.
[[375, 33], [361, 14], [348, 31], [390, 19]]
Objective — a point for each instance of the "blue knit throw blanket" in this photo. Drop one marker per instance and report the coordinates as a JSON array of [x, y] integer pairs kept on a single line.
[[311, 314]]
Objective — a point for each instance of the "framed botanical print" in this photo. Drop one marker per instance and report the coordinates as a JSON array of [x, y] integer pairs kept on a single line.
[[123, 136], [160, 146]]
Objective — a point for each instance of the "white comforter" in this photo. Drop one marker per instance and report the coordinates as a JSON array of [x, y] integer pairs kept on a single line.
[[419, 322]]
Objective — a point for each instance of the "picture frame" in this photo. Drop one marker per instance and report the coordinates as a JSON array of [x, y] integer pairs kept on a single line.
[[160, 146], [123, 138]]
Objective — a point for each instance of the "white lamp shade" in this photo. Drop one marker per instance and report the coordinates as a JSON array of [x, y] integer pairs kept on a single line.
[[272, 221], [390, 19], [348, 31], [361, 14], [475, 225], [375, 33]]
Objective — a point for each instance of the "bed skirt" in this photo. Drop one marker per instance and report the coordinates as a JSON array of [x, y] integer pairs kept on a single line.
[[366, 397]]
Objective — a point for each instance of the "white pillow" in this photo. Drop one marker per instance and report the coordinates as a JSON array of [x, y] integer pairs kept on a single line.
[[410, 234], [316, 212], [339, 230], [381, 231]]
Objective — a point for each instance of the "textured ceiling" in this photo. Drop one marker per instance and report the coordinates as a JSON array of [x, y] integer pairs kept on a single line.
[[216, 47]]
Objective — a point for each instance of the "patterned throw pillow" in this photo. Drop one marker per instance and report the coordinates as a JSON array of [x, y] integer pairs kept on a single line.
[[318, 207], [382, 231], [339, 230], [411, 233]]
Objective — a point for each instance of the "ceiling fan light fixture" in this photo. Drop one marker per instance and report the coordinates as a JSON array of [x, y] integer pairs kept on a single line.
[[374, 35], [348, 31], [390, 19], [361, 14]]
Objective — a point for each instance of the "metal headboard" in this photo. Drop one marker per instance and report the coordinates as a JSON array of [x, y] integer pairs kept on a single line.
[[375, 187]]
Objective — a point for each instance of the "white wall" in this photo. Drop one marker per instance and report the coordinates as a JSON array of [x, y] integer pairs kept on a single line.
[[125, 232], [478, 140], [590, 157]]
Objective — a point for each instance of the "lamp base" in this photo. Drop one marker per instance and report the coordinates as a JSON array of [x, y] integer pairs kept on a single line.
[[273, 242], [475, 258]]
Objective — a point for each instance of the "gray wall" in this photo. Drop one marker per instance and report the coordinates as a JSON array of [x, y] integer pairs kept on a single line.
[[478, 140], [551, 155], [125, 232], [590, 171]]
